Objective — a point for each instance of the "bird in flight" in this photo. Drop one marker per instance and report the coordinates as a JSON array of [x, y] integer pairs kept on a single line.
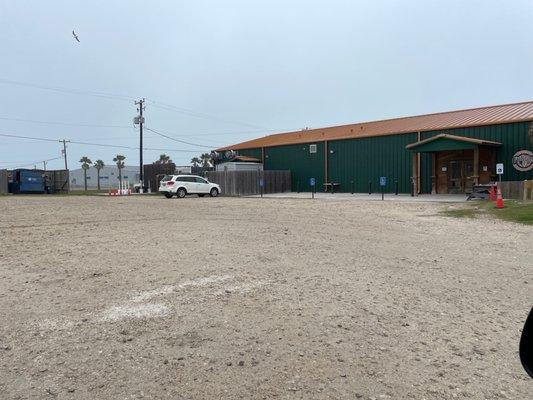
[[75, 36]]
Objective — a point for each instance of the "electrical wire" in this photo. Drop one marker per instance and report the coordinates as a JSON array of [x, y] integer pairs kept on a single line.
[[69, 91], [96, 144], [36, 162], [192, 113], [157, 104], [131, 127], [178, 140], [32, 121]]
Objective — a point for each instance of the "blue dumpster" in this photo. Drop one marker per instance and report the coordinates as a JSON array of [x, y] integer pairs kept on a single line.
[[26, 181]]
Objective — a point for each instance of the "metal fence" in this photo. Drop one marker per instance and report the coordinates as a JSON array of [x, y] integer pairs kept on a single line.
[[246, 183], [3, 181]]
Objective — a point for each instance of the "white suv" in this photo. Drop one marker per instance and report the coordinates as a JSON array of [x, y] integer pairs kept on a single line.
[[182, 185]]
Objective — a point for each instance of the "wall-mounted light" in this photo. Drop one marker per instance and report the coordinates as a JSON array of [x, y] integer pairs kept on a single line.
[[331, 151]]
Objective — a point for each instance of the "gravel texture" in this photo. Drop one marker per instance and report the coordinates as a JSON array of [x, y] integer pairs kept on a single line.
[[201, 298]]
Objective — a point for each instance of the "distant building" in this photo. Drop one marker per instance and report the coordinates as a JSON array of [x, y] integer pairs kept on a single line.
[[108, 177]]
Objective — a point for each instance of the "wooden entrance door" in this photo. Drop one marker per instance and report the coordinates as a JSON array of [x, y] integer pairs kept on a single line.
[[454, 171], [460, 174]]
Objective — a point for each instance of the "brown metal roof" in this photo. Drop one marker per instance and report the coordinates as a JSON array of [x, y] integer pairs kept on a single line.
[[491, 115]]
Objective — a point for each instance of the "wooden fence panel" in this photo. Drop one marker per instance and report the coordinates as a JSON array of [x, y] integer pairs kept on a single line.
[[246, 183], [512, 189]]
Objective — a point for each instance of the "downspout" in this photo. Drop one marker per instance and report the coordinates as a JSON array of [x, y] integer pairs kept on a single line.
[[418, 168], [326, 161]]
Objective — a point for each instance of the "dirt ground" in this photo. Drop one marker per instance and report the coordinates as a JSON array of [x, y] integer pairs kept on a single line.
[[200, 298]]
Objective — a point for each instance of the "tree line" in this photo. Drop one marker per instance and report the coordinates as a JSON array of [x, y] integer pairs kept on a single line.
[[204, 160]]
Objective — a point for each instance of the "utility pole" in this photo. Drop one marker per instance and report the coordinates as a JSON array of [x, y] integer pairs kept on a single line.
[[44, 165], [65, 150], [140, 120]]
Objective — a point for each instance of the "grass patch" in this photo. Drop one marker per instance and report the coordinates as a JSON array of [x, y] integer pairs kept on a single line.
[[515, 211]]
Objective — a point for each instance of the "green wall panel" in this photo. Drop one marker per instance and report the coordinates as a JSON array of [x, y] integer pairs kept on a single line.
[[366, 159], [303, 165], [256, 153]]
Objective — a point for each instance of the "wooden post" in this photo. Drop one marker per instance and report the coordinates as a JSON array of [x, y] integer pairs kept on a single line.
[[434, 173], [476, 165]]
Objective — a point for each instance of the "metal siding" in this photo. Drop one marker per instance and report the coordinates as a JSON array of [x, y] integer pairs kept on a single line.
[[513, 137], [255, 153], [366, 159], [302, 164]]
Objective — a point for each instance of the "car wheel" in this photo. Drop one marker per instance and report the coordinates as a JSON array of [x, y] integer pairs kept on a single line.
[[201, 195], [213, 192], [181, 193], [168, 195]]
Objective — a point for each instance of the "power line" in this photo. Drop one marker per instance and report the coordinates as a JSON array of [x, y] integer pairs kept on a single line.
[[97, 144], [164, 106], [68, 90], [32, 121], [178, 140], [36, 162], [192, 113], [28, 137], [131, 127]]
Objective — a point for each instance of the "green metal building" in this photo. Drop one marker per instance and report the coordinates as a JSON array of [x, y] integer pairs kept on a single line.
[[446, 152]]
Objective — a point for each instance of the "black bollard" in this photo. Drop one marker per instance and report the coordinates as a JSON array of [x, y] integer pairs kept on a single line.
[[396, 187], [369, 187], [297, 186]]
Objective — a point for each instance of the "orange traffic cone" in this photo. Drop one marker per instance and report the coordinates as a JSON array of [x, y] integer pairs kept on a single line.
[[499, 199]]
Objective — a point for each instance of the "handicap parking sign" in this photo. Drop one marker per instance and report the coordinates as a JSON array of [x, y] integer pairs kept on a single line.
[[382, 181], [312, 181]]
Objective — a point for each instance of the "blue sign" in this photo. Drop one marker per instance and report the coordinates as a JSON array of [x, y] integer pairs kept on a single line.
[[261, 183], [312, 181], [382, 181]]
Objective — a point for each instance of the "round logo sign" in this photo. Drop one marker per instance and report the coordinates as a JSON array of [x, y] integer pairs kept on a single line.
[[523, 160]]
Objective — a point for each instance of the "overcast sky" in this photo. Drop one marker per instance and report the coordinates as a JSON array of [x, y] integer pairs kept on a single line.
[[245, 68]]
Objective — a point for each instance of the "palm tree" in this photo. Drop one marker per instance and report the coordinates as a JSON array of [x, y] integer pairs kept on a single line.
[[85, 163], [206, 160], [119, 159], [163, 159], [195, 161], [98, 164]]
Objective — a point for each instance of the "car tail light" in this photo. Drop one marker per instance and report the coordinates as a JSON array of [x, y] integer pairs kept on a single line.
[[170, 183]]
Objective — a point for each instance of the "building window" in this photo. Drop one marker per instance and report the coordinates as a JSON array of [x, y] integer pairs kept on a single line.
[[312, 148], [125, 176]]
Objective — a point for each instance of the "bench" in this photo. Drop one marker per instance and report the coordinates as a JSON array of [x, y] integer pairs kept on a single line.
[[330, 185], [480, 192]]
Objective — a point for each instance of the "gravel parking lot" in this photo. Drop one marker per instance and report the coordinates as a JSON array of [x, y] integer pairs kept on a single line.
[[228, 298]]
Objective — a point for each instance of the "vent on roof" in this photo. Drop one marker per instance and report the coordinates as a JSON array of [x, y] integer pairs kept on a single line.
[[312, 148]]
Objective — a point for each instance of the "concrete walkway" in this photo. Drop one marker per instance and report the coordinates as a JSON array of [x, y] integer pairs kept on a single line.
[[438, 198]]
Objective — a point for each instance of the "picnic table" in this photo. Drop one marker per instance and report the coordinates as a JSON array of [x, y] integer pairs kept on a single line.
[[330, 185], [480, 192]]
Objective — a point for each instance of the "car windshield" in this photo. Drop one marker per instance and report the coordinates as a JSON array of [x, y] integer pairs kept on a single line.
[[166, 178]]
